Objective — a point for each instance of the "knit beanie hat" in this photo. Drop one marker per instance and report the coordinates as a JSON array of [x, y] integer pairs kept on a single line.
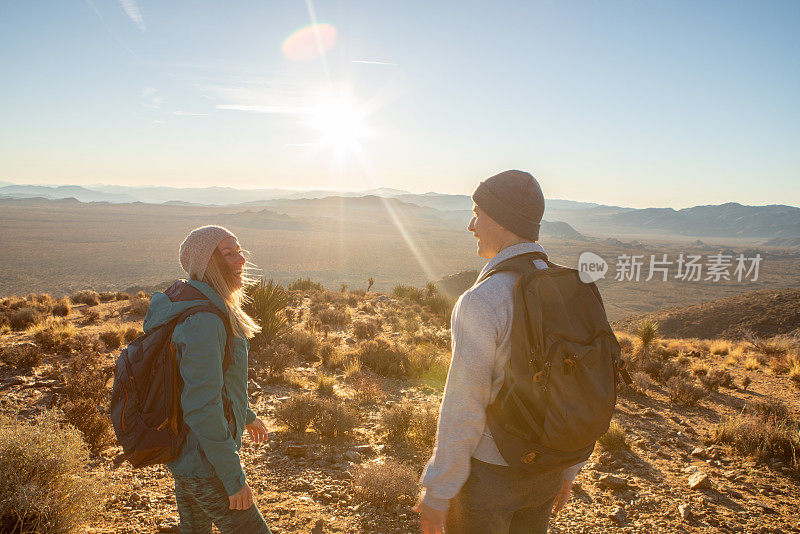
[[514, 200], [197, 248]]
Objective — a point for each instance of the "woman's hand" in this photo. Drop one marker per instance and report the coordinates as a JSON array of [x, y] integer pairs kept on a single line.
[[257, 431], [431, 521], [242, 499]]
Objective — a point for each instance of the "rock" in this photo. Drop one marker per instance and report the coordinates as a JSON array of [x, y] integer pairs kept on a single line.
[[168, 527], [685, 511], [253, 386], [613, 482], [365, 450], [733, 492], [699, 481], [698, 452], [353, 456], [318, 527], [618, 515]]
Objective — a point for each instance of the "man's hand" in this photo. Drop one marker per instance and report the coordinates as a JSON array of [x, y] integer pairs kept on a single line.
[[431, 521], [257, 431], [563, 496], [242, 499]]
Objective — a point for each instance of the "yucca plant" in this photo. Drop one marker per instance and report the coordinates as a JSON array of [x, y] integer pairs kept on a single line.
[[267, 302], [646, 332]]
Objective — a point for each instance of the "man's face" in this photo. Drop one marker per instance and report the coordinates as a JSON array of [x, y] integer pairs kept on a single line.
[[489, 233]]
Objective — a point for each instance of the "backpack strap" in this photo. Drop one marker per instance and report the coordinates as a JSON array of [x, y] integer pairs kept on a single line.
[[522, 263]]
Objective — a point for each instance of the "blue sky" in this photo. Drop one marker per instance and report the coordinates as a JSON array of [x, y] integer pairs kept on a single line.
[[628, 103]]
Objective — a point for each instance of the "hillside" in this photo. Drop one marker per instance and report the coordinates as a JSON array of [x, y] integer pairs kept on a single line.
[[765, 313], [685, 454]]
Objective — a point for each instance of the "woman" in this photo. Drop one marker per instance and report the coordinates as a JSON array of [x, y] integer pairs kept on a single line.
[[210, 485]]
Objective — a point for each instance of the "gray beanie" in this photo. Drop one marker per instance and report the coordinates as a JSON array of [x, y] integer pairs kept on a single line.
[[197, 248], [513, 199]]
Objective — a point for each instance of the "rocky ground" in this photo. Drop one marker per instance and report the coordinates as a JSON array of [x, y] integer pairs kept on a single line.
[[669, 477]]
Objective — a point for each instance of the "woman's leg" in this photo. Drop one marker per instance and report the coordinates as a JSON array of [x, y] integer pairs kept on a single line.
[[211, 497], [192, 517]]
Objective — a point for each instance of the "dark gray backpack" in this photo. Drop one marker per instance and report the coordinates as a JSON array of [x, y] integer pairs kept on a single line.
[[560, 383]]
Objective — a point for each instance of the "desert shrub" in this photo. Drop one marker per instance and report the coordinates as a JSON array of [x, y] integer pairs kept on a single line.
[[24, 318], [44, 485], [334, 420], [273, 360], [745, 383], [699, 369], [112, 337], [4, 327], [326, 385], [352, 366], [646, 332], [385, 358], [366, 390], [54, 335], [329, 355], [95, 426], [130, 334], [297, 413], [385, 484], [138, 306], [422, 429], [365, 329], [62, 307], [267, 304], [717, 378], [641, 382], [439, 305], [752, 363], [614, 438], [770, 348], [333, 317], [651, 366], [303, 343], [767, 408], [396, 420], [625, 343], [21, 355], [764, 437], [87, 296], [408, 292], [142, 295], [305, 284], [86, 378], [670, 370], [90, 316], [107, 296], [121, 295], [683, 392], [720, 347]]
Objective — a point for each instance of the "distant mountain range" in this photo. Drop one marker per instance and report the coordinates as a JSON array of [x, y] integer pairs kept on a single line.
[[776, 225]]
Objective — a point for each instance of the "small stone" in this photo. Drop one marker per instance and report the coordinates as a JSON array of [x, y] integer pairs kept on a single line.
[[296, 451], [699, 480], [168, 527], [613, 482], [618, 515], [698, 452], [318, 527], [685, 511], [732, 492], [353, 456]]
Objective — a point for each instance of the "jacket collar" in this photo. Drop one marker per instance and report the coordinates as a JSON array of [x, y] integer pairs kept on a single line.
[[510, 252], [209, 292]]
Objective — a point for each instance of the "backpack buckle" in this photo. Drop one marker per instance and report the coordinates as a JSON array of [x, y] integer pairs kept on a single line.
[[529, 458]]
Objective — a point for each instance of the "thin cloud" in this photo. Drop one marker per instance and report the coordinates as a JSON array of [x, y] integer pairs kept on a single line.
[[372, 62], [151, 98], [263, 109], [188, 114], [132, 10], [112, 32]]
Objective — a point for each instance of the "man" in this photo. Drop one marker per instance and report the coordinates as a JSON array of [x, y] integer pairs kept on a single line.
[[467, 486]]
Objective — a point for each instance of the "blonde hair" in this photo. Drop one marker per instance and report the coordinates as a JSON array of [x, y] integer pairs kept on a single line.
[[222, 280]]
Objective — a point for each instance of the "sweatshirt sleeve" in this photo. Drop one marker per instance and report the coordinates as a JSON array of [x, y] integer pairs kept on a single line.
[[201, 342], [467, 393], [250, 416]]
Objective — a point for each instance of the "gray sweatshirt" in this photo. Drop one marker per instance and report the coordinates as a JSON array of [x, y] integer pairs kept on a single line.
[[481, 336]]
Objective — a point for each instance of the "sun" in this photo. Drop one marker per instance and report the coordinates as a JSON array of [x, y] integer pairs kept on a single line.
[[339, 121]]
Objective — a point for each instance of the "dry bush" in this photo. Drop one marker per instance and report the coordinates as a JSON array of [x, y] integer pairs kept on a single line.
[[24, 318], [44, 485], [334, 420], [385, 484], [699, 369], [385, 358], [21, 355], [142, 295], [366, 329], [107, 296], [302, 343], [326, 385], [87, 296], [720, 347], [86, 399], [422, 429], [614, 438], [352, 366], [767, 408], [305, 285], [683, 392], [90, 316], [330, 356], [761, 436], [54, 335], [138, 307], [131, 333], [396, 420], [62, 307], [334, 317], [717, 378], [641, 382], [366, 390], [93, 424], [112, 337], [752, 363], [272, 360], [670, 370], [625, 342], [297, 413]]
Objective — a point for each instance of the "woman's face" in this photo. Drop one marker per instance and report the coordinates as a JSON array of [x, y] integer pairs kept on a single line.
[[232, 252]]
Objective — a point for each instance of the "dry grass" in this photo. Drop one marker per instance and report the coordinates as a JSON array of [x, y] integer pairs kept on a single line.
[[764, 431], [112, 336], [62, 307], [54, 335], [87, 296], [24, 318], [385, 484], [297, 413], [21, 355], [44, 485], [614, 438], [326, 385], [683, 392], [334, 420], [138, 306]]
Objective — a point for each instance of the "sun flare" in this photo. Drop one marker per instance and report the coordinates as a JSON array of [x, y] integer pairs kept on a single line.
[[339, 121]]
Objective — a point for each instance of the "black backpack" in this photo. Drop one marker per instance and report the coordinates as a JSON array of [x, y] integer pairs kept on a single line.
[[560, 384], [145, 403]]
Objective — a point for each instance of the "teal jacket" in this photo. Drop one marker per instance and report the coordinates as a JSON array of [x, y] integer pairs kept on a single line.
[[212, 446]]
